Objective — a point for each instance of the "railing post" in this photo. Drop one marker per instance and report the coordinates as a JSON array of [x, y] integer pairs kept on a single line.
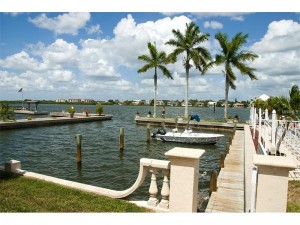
[[165, 191], [266, 141], [259, 125], [272, 182], [153, 201], [184, 178], [273, 128], [254, 123]]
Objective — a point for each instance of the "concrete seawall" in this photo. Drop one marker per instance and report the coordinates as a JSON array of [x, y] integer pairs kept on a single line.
[[210, 126], [50, 121]]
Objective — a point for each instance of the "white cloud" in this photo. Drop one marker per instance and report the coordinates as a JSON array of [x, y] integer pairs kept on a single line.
[[213, 25], [68, 23], [22, 61], [279, 49], [238, 16], [281, 36], [94, 29]]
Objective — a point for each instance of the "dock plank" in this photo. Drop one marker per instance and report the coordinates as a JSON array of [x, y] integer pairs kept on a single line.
[[229, 196]]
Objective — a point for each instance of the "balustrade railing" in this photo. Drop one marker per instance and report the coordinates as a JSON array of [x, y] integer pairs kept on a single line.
[[274, 135]]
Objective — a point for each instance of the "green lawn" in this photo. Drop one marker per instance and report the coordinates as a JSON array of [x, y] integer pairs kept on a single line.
[[22, 194], [294, 197]]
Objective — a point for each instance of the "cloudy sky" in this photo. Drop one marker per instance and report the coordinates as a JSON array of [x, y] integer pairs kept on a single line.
[[94, 55]]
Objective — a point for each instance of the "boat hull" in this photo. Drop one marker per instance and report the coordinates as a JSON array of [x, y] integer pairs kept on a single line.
[[192, 138]]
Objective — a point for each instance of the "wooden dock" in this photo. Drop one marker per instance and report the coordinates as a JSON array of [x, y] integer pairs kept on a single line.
[[202, 125], [50, 121], [230, 196]]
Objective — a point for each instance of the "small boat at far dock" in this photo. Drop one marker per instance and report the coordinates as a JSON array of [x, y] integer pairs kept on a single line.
[[187, 136]]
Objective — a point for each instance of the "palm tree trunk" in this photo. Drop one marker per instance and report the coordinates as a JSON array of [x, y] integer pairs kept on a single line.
[[155, 91], [186, 114], [226, 96]]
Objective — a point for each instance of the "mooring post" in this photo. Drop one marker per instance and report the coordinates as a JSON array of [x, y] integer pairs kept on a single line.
[[213, 182], [121, 138], [78, 138], [222, 159], [227, 147], [148, 133]]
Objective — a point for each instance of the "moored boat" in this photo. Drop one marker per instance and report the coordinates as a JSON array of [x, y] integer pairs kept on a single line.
[[187, 136]]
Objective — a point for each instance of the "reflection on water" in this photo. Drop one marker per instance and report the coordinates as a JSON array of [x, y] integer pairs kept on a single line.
[[52, 150]]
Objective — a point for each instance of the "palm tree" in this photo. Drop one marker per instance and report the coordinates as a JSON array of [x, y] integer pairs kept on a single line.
[[189, 43], [287, 106], [156, 60], [232, 56]]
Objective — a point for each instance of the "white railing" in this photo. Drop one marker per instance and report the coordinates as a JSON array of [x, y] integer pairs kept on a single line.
[[272, 134]]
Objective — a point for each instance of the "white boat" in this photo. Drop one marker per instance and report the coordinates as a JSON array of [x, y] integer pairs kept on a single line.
[[187, 136]]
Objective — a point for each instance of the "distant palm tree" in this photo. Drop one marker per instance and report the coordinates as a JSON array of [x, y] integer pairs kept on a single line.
[[189, 43], [156, 60], [287, 106], [233, 56]]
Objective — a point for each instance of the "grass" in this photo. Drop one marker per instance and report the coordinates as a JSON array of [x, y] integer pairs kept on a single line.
[[293, 204], [23, 194]]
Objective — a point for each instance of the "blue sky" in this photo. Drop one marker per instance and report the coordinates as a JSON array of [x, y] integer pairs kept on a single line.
[[94, 55]]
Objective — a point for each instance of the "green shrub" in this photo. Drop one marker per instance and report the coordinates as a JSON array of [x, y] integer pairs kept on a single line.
[[99, 109], [71, 109], [6, 113]]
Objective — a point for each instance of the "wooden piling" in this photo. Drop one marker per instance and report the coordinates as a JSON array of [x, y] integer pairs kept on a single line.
[[148, 133], [213, 182], [230, 139], [122, 138], [227, 147], [78, 138], [222, 159]]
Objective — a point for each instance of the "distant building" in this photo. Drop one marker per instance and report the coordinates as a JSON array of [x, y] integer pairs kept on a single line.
[[173, 103], [159, 102], [211, 104], [183, 103], [136, 102], [61, 100], [238, 105], [199, 104], [74, 100], [88, 100]]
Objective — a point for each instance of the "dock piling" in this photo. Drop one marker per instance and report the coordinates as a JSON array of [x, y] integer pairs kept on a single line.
[[213, 182], [148, 133], [222, 159], [121, 138], [78, 138]]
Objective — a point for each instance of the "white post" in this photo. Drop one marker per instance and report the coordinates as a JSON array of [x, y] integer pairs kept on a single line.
[[153, 201], [251, 115], [253, 190], [259, 126], [165, 191], [272, 182], [273, 128], [254, 123], [184, 178], [266, 115], [266, 129]]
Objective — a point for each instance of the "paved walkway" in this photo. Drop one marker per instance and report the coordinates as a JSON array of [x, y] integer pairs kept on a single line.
[[229, 196]]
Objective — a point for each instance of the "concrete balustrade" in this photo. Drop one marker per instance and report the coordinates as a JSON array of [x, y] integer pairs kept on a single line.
[[183, 169], [184, 178], [272, 182]]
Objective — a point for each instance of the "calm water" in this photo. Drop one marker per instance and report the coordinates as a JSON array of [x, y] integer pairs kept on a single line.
[[52, 150]]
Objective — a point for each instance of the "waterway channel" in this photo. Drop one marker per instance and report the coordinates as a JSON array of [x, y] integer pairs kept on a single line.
[[52, 150]]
